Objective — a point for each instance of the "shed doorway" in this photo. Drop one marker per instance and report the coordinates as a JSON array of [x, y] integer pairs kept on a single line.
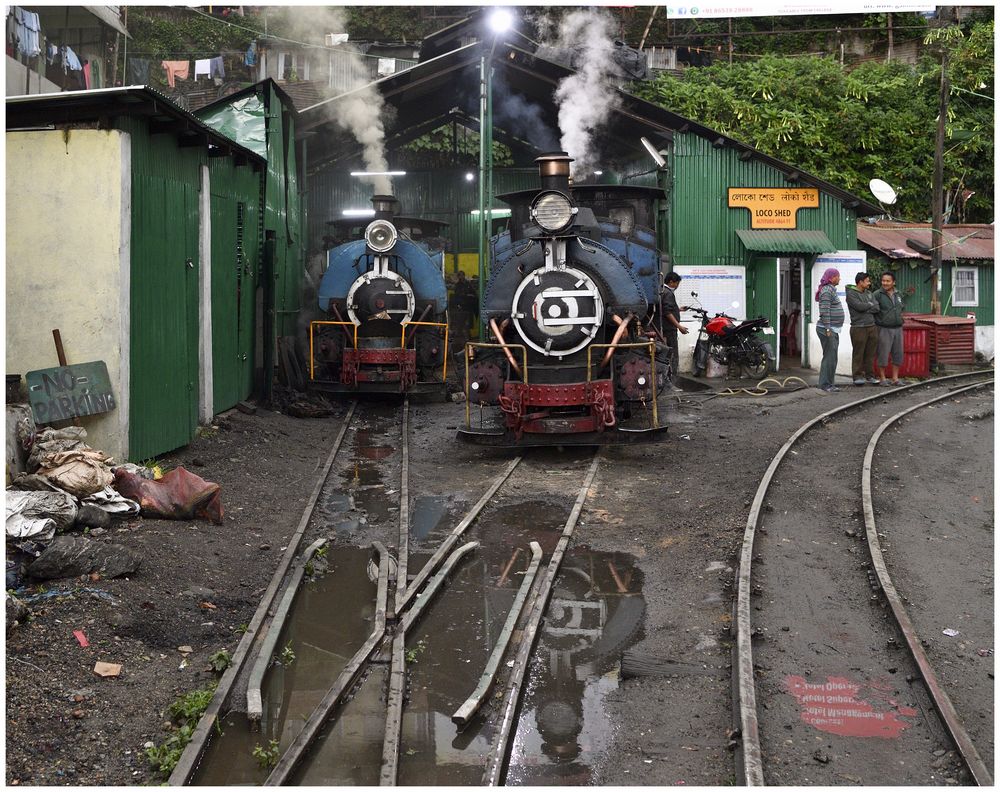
[[791, 277]]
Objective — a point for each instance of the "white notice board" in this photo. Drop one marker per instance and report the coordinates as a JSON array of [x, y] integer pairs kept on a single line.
[[720, 289]]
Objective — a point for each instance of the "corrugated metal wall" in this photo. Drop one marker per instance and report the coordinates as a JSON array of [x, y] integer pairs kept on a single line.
[[702, 226], [914, 284], [235, 207], [444, 195], [165, 310]]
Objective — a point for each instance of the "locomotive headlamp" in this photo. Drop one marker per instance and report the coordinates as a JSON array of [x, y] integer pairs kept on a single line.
[[553, 211], [381, 235]]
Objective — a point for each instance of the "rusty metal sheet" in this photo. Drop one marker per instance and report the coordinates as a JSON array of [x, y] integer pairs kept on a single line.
[[960, 241]]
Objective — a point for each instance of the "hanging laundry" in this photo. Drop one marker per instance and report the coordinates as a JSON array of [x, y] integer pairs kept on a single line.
[[96, 75], [218, 67], [201, 67], [86, 75], [26, 30], [70, 61], [51, 52], [250, 59], [138, 71], [176, 70]]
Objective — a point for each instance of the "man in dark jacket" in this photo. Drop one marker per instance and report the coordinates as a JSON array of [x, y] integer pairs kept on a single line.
[[889, 321], [671, 313], [863, 306]]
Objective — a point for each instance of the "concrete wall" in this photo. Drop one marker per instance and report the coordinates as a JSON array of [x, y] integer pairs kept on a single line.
[[68, 235], [20, 82]]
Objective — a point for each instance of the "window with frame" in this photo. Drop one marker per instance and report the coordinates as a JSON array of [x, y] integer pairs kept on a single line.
[[965, 283]]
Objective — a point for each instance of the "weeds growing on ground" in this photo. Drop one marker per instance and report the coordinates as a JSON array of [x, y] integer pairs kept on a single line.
[[287, 656], [266, 757], [184, 714], [220, 661]]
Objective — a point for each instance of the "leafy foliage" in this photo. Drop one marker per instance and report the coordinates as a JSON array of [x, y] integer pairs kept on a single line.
[[184, 714], [220, 661], [848, 126], [266, 757]]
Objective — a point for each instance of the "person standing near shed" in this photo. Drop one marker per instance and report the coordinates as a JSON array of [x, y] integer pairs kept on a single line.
[[672, 319], [831, 320], [889, 321], [862, 306]]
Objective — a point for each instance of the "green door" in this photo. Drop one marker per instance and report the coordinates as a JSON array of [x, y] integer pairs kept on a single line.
[[762, 294], [232, 302], [163, 404]]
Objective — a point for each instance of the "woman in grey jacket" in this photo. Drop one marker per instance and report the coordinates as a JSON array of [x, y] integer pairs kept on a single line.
[[831, 320]]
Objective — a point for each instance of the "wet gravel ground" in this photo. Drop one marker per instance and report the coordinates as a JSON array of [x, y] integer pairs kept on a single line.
[[677, 507], [933, 487]]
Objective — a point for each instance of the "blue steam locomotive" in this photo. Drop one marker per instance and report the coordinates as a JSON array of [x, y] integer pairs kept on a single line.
[[384, 302], [572, 303]]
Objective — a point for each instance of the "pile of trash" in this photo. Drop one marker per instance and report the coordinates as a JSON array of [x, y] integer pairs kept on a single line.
[[68, 484]]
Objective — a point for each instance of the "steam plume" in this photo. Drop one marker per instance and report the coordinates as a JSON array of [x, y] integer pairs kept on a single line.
[[363, 112], [586, 98], [520, 117]]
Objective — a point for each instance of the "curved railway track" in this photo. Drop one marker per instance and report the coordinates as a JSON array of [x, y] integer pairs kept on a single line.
[[403, 594], [823, 682]]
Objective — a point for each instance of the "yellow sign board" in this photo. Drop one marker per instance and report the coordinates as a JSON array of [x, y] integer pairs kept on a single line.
[[772, 207]]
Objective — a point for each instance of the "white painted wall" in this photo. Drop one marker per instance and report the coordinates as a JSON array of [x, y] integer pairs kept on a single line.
[[67, 260], [849, 262], [984, 341], [205, 380]]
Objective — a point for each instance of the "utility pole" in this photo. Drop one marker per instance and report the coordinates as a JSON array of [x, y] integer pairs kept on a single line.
[[730, 41], [937, 217], [888, 56]]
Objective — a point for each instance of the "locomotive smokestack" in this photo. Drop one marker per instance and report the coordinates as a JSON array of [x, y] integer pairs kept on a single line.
[[553, 169], [385, 206]]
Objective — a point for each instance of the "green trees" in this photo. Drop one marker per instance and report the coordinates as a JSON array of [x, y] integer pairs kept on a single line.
[[848, 126]]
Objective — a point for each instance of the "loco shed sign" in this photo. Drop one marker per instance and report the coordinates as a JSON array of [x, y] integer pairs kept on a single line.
[[772, 207], [67, 392]]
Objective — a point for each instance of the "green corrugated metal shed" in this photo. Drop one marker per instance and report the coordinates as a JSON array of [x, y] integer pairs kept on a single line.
[[169, 148], [263, 112]]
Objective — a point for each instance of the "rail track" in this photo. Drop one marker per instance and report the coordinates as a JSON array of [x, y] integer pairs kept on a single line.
[[382, 670], [831, 681]]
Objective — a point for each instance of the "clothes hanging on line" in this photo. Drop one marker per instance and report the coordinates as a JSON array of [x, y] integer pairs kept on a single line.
[[202, 67], [250, 59], [70, 60], [86, 75], [51, 53], [26, 31], [138, 71], [218, 67], [176, 70]]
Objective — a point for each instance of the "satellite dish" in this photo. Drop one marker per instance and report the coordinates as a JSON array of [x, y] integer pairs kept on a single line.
[[656, 155], [882, 191]]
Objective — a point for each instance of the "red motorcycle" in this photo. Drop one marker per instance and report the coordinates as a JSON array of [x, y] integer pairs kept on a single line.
[[731, 343]]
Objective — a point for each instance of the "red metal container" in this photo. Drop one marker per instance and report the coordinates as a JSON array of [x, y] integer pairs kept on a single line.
[[952, 338], [916, 350]]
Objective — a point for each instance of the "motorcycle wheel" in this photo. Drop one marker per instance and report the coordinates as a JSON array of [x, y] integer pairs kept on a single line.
[[756, 358]]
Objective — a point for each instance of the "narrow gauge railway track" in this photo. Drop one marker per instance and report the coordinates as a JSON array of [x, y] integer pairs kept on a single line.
[[823, 683], [380, 661]]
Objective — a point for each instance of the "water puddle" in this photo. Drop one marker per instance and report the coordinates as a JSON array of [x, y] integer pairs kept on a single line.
[[332, 617], [427, 517]]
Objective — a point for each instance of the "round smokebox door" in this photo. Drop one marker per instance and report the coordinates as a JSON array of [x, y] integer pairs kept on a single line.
[[557, 312], [380, 297]]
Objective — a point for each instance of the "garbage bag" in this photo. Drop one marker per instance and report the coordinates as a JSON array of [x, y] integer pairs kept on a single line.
[[80, 472], [38, 515], [112, 502], [52, 441], [179, 495]]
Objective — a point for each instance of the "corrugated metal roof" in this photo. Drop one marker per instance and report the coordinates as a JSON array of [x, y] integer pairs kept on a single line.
[[68, 107], [779, 241], [973, 241]]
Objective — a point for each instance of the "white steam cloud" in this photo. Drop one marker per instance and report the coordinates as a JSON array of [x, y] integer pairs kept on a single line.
[[363, 113], [586, 98]]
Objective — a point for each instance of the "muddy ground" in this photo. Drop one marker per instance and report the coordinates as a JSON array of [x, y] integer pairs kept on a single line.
[[678, 508]]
